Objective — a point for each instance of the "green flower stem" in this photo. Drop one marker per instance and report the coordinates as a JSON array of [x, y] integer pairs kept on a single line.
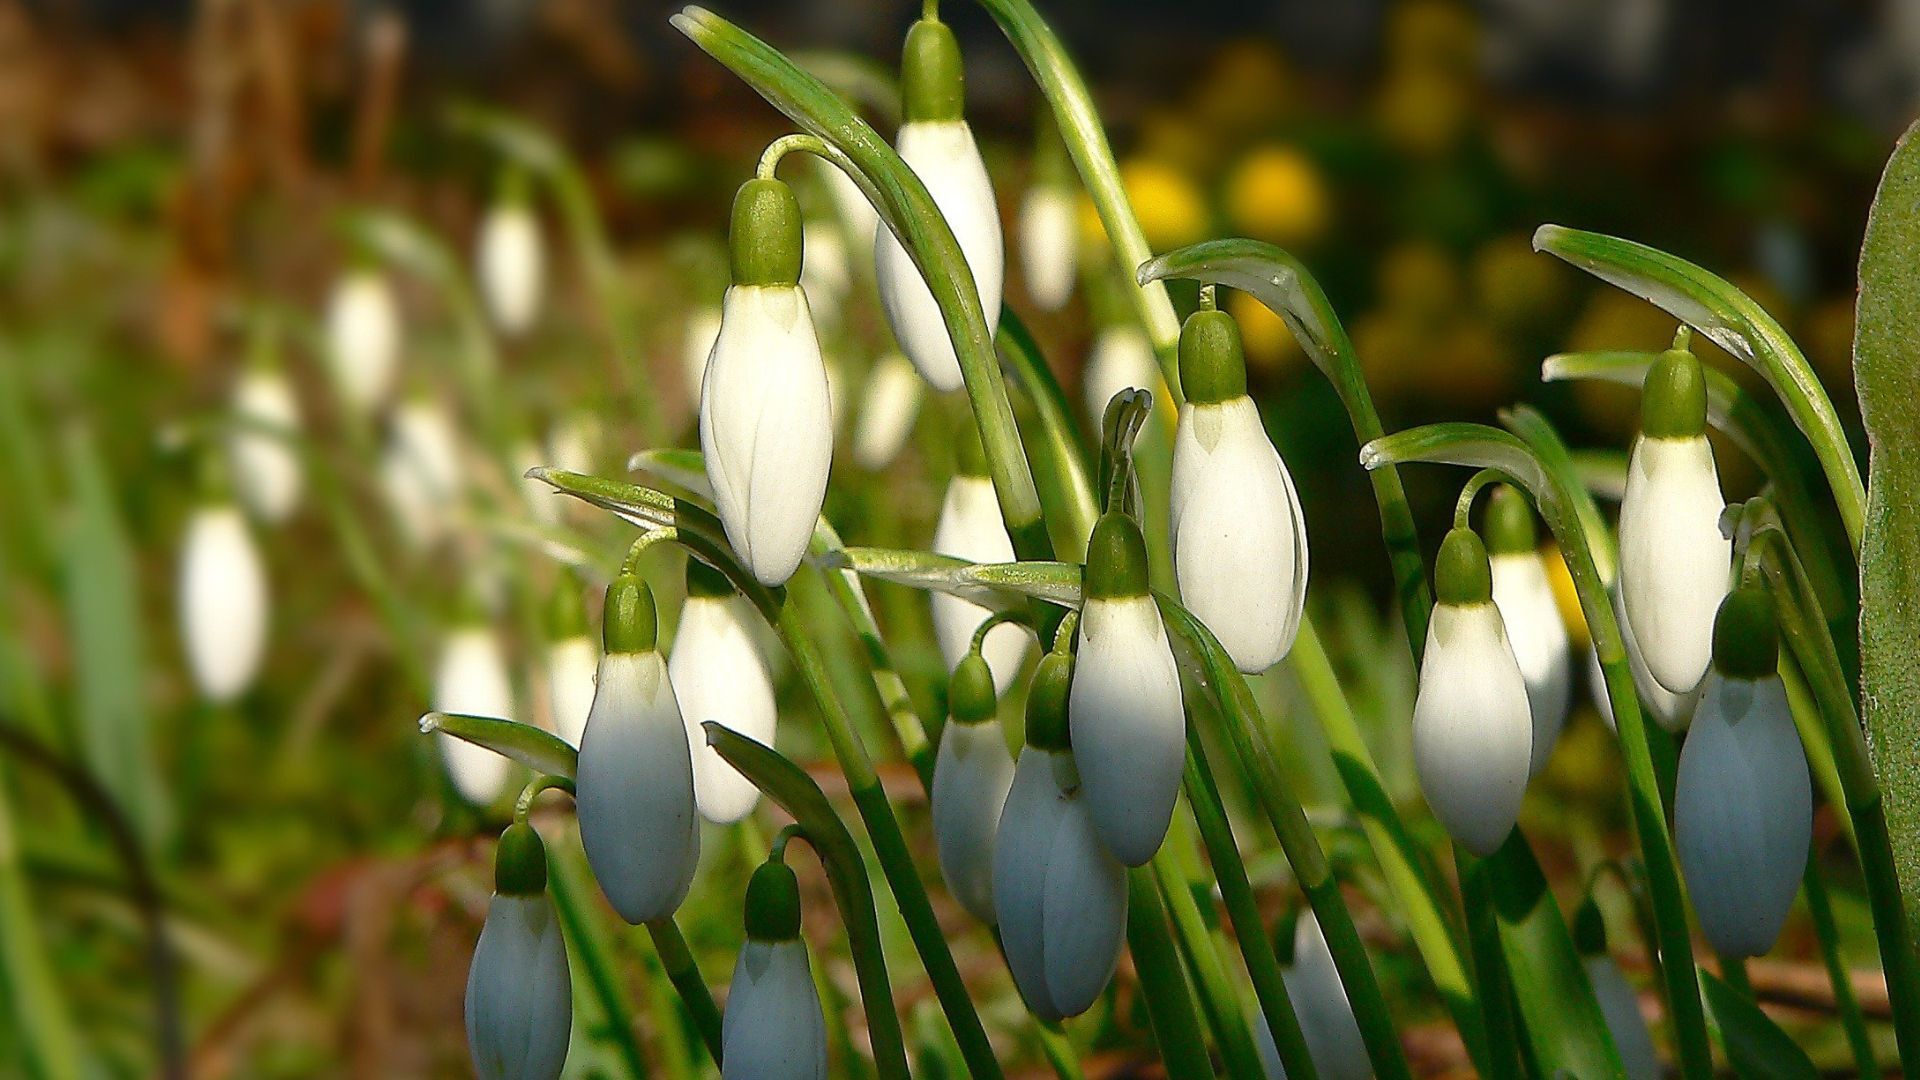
[[1820, 909], [1501, 1032], [908, 210], [1479, 446], [1163, 986], [1086, 142], [1058, 1050], [1243, 910], [1061, 469], [685, 976], [1732, 320], [1218, 1002], [572, 892], [789, 786]]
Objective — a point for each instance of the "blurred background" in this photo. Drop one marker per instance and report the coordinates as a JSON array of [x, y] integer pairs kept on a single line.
[[176, 176]]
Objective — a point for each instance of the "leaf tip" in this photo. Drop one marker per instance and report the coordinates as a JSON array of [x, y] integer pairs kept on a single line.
[[430, 722], [1554, 368], [1373, 455], [1545, 236]]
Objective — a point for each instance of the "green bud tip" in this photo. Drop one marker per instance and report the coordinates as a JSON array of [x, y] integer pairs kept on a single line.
[[1461, 574], [1213, 367], [765, 244], [970, 696], [629, 623], [706, 582], [1746, 635], [970, 458], [1673, 404], [566, 610], [1509, 523], [773, 903], [932, 78], [1589, 929], [1047, 702], [1116, 558], [520, 862]]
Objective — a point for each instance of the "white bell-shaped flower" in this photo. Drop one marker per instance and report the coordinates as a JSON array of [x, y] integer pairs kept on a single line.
[[888, 406], [573, 661], [971, 774], [1743, 801], [634, 784], [1472, 726], [1673, 558], [766, 419], [718, 674], [1327, 1023], [510, 262], [223, 602], [1535, 630], [774, 1028], [519, 997], [1129, 728], [472, 678], [1670, 710], [696, 345], [938, 146], [1049, 237], [1060, 896], [363, 338], [420, 471], [1122, 359], [1239, 537], [971, 528], [267, 473]]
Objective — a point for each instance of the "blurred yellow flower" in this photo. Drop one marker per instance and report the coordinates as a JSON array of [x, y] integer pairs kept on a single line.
[[1269, 344], [1171, 211], [1275, 194], [1245, 88], [1423, 111], [1515, 286], [1419, 280], [1437, 35], [1566, 599]]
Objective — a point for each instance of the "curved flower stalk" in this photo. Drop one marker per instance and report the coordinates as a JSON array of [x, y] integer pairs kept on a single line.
[[573, 661], [766, 423], [1743, 800], [1472, 727], [718, 674], [420, 471], [510, 259], [1326, 1016], [1060, 897], [696, 345], [472, 678], [1533, 625], [1239, 538], [938, 146], [1618, 1003], [519, 997], [224, 606], [267, 471], [773, 1028], [970, 528], [635, 778], [888, 406], [1122, 359], [971, 774], [363, 338], [1129, 727], [1674, 562]]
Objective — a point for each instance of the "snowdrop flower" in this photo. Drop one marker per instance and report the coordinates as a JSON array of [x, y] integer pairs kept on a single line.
[[971, 528], [971, 774], [696, 345], [543, 503], [510, 262], [1049, 228], [1670, 710], [635, 779], [1472, 727], [572, 661], [1239, 538], [1320, 1003], [1743, 803], [825, 273], [1129, 731], [1673, 558], [774, 1028], [938, 146], [766, 421], [887, 409], [718, 674], [850, 204], [1060, 897], [519, 996], [1538, 635], [1122, 359], [363, 338], [1618, 1003], [420, 471], [223, 602], [472, 678], [571, 440], [267, 472]]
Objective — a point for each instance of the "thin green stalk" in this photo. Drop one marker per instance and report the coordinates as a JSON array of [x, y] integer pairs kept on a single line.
[[1218, 1002], [1733, 972], [1501, 1030], [1058, 1050], [573, 899], [685, 976], [28, 987], [1176, 1026], [1845, 1002]]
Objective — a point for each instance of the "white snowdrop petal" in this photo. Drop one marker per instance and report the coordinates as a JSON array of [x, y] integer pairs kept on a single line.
[[266, 467], [718, 674], [696, 346], [942, 153], [635, 784], [472, 678], [1049, 228], [1122, 359], [766, 427], [970, 527], [1742, 812], [972, 772], [1239, 542], [1670, 710], [223, 602], [1472, 728], [1021, 849], [1085, 918], [1621, 1007], [887, 410], [510, 262], [774, 1028], [363, 338], [572, 665], [1128, 730], [1332, 1033], [1673, 560], [519, 1005], [1539, 639]]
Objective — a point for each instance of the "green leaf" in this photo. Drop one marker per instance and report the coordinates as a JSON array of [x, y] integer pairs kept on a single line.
[[38, 1011], [998, 586], [1757, 1047], [538, 750]]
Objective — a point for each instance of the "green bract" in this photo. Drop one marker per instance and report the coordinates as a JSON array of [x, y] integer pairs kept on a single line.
[[932, 78], [520, 862], [1674, 405], [1213, 367], [1116, 559], [970, 694], [1746, 635], [764, 243], [1047, 702], [773, 903], [1461, 573], [1509, 524], [629, 624]]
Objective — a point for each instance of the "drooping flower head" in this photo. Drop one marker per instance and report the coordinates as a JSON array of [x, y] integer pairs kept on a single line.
[[718, 674], [1524, 595], [1618, 1003], [472, 678], [888, 405], [519, 998], [510, 259], [363, 338], [971, 774], [573, 660], [971, 527], [774, 1028], [1050, 226], [224, 604], [267, 471]]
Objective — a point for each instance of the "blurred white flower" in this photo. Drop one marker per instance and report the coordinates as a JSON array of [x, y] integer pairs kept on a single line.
[[887, 410], [696, 345], [1628, 1026], [223, 602], [267, 472], [510, 261], [1122, 359], [970, 528], [1049, 233], [363, 338], [420, 471], [1327, 1023], [825, 272], [718, 674], [573, 664], [472, 678]]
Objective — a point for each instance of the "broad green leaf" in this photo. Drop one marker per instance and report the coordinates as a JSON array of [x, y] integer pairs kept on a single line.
[[1757, 1047], [538, 750], [999, 586]]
